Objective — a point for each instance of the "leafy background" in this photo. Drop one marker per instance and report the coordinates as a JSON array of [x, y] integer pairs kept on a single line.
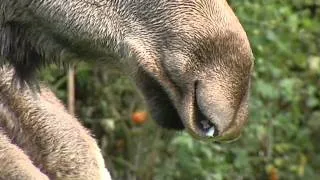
[[282, 137]]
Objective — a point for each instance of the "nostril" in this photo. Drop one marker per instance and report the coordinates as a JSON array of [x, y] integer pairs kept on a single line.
[[205, 125], [208, 127], [202, 122]]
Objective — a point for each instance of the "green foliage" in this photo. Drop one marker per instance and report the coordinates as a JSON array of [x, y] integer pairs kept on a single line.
[[283, 130]]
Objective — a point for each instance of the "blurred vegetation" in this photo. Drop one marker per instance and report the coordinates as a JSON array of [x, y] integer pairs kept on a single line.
[[282, 137]]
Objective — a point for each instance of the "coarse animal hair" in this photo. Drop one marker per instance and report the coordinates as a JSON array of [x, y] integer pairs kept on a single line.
[[39, 139], [190, 58]]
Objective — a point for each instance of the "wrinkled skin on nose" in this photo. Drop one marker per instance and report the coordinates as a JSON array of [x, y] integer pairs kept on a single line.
[[222, 103], [200, 79], [211, 105]]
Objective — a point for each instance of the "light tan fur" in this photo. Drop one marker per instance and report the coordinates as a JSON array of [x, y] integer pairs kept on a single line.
[[39, 139], [15, 164]]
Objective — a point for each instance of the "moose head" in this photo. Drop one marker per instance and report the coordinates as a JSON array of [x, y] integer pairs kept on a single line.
[[192, 58], [194, 64]]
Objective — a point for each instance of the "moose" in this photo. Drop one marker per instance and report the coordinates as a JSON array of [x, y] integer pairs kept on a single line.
[[191, 59]]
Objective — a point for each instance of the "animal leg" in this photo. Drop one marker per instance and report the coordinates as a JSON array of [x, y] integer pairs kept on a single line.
[[54, 140], [14, 164]]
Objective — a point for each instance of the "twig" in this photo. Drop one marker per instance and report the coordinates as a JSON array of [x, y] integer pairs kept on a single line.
[[71, 90]]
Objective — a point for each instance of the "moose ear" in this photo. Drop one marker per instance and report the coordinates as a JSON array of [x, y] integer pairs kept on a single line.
[[161, 107]]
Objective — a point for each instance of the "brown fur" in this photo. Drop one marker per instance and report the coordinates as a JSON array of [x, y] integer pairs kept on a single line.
[[191, 59], [37, 126], [15, 164]]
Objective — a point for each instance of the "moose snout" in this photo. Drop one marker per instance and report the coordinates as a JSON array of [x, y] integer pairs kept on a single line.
[[216, 114]]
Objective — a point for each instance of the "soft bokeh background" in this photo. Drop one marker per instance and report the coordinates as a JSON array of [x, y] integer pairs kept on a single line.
[[282, 140]]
